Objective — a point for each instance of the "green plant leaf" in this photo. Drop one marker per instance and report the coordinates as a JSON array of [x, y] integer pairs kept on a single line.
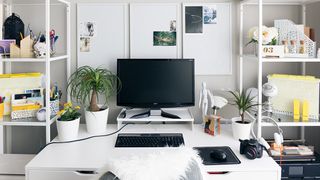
[[86, 79]]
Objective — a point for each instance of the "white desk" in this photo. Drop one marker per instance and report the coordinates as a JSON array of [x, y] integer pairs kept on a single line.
[[62, 161]]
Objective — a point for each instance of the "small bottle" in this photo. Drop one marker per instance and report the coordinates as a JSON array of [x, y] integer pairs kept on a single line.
[[302, 49], [293, 47], [286, 49]]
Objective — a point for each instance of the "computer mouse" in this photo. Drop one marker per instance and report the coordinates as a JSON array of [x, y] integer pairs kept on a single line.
[[218, 155]]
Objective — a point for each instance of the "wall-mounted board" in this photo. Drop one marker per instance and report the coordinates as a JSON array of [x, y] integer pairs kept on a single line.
[[207, 37], [102, 34], [155, 30]]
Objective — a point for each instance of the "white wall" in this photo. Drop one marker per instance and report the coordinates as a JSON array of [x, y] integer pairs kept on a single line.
[[26, 140]]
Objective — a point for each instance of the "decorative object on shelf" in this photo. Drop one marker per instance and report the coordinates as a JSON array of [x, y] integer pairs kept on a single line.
[[302, 49], [13, 28], [241, 127], [269, 90], [85, 84], [2, 98], [296, 110], [305, 111], [54, 107], [27, 104], [294, 87], [318, 53], [40, 49], [41, 114], [293, 47], [269, 39], [290, 32], [25, 50], [68, 122], [53, 40], [55, 96], [286, 46], [5, 46], [269, 35], [17, 84], [273, 51], [40, 45]]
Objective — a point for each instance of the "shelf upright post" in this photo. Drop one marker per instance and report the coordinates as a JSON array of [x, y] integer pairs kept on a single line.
[[260, 70], [303, 68], [48, 75], [68, 46], [1, 72], [241, 49], [7, 130]]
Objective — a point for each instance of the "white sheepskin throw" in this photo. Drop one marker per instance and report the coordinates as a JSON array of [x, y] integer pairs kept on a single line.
[[166, 164]]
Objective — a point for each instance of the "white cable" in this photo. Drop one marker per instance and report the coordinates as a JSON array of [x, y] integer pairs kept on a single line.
[[262, 140]]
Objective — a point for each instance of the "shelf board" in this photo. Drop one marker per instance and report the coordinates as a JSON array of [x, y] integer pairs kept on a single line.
[[289, 122], [8, 121], [280, 60], [280, 2], [34, 60]]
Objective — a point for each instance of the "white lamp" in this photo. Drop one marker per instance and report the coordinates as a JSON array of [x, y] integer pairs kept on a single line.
[[269, 90]]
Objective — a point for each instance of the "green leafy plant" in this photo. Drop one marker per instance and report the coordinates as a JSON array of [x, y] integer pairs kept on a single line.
[[86, 83], [243, 101], [69, 112]]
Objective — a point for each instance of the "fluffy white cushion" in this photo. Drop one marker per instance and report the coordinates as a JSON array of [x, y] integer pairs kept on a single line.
[[166, 164]]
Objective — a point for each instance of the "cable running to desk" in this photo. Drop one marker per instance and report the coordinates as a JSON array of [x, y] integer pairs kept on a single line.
[[90, 137]]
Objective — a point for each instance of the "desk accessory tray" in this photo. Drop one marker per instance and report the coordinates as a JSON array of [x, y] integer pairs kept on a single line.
[[204, 153]]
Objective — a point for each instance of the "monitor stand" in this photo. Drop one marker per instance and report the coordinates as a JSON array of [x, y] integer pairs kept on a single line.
[[155, 115], [155, 112]]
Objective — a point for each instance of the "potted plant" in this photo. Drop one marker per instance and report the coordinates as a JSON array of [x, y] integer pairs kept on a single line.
[[68, 122], [85, 85], [241, 127]]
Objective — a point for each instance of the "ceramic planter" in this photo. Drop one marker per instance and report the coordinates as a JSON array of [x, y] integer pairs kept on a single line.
[[97, 121], [68, 130], [240, 130]]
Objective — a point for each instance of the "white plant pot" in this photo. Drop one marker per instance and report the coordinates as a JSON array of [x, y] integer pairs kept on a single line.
[[239, 130], [68, 130], [97, 121]]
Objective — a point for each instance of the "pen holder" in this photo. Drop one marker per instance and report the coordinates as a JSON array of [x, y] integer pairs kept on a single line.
[[54, 107], [1, 110]]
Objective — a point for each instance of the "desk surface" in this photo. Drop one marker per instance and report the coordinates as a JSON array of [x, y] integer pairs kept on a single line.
[[93, 153]]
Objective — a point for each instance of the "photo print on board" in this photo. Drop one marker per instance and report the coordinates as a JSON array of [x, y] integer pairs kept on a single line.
[[84, 44], [193, 19], [173, 25], [164, 38], [88, 29], [210, 14]]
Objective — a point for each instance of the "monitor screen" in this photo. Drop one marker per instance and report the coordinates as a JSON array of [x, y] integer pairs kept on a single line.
[[156, 83]]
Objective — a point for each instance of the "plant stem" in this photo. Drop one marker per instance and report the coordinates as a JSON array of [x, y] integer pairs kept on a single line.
[[93, 103], [242, 117]]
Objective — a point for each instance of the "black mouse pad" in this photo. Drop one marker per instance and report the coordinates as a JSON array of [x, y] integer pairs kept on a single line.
[[204, 153]]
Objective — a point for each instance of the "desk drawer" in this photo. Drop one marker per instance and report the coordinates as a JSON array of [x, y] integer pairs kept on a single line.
[[59, 175], [243, 175]]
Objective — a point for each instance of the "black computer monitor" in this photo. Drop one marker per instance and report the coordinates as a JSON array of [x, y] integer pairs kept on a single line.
[[156, 83]]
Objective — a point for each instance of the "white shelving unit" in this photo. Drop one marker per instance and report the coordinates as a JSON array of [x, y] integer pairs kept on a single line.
[[285, 121], [6, 63]]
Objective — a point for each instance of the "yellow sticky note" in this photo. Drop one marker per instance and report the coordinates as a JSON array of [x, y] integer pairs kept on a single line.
[[305, 111], [296, 110]]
